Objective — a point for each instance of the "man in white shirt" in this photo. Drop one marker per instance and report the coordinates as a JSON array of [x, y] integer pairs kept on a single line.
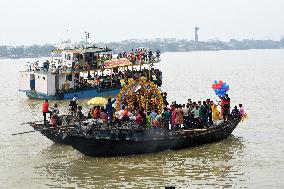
[[185, 110]]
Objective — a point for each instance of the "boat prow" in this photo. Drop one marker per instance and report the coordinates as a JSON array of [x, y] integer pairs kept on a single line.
[[57, 135]]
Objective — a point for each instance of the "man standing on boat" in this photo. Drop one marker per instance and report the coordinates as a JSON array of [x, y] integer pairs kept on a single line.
[[165, 101], [110, 109], [73, 106], [225, 107], [45, 110]]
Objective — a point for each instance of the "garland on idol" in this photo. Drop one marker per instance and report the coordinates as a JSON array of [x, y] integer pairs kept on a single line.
[[140, 93]]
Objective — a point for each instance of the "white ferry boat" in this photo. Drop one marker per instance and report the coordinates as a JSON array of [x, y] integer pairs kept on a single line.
[[87, 72]]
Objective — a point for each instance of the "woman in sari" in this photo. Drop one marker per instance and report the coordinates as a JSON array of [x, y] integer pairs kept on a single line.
[[173, 113]]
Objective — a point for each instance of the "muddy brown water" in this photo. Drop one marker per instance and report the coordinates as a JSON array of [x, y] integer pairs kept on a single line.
[[252, 157]]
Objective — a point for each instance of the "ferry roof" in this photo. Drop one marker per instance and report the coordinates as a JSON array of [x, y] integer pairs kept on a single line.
[[84, 50], [95, 50]]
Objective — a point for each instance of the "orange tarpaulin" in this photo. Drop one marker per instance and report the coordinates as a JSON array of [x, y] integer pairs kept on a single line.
[[117, 63]]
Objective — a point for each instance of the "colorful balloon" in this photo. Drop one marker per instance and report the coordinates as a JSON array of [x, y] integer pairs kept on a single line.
[[220, 88]]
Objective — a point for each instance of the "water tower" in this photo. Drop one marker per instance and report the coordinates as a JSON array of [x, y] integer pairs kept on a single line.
[[196, 34]]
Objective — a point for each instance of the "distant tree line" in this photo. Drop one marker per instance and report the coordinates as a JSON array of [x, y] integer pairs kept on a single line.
[[164, 45], [26, 51], [187, 46]]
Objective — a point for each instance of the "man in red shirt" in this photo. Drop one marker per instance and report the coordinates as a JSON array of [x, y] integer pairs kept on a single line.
[[45, 110]]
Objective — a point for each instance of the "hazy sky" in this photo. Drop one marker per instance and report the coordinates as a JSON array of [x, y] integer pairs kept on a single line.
[[40, 21]]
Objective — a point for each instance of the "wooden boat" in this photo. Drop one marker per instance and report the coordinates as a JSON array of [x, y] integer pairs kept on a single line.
[[139, 141]]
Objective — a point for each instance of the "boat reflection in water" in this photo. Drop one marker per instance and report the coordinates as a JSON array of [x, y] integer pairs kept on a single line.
[[213, 165]]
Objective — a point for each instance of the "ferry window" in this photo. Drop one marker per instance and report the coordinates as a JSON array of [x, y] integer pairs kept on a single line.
[[69, 77], [43, 78], [38, 77]]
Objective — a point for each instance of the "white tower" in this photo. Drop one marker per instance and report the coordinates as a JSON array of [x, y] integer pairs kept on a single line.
[[196, 34]]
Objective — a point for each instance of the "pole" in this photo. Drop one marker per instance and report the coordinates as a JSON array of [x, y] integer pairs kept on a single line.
[[84, 61], [111, 77], [149, 72]]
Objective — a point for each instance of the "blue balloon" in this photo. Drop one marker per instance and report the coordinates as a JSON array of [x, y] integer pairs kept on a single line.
[[222, 91]]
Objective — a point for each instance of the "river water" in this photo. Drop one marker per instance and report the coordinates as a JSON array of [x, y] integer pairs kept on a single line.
[[252, 157]]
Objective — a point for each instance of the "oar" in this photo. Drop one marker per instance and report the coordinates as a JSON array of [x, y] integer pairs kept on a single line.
[[24, 132], [31, 131], [25, 123], [37, 130]]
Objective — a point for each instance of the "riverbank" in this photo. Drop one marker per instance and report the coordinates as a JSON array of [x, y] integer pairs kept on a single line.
[[164, 45]]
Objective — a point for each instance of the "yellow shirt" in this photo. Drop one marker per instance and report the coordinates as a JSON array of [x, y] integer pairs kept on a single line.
[[215, 113]]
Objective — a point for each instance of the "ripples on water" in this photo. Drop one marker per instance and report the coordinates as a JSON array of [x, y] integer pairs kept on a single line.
[[207, 164], [251, 157]]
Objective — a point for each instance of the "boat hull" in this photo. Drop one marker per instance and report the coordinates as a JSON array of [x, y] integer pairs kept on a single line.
[[80, 94], [94, 146]]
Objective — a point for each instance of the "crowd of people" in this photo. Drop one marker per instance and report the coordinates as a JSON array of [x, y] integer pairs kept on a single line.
[[140, 55], [201, 114], [135, 56], [192, 115], [94, 61], [117, 79]]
